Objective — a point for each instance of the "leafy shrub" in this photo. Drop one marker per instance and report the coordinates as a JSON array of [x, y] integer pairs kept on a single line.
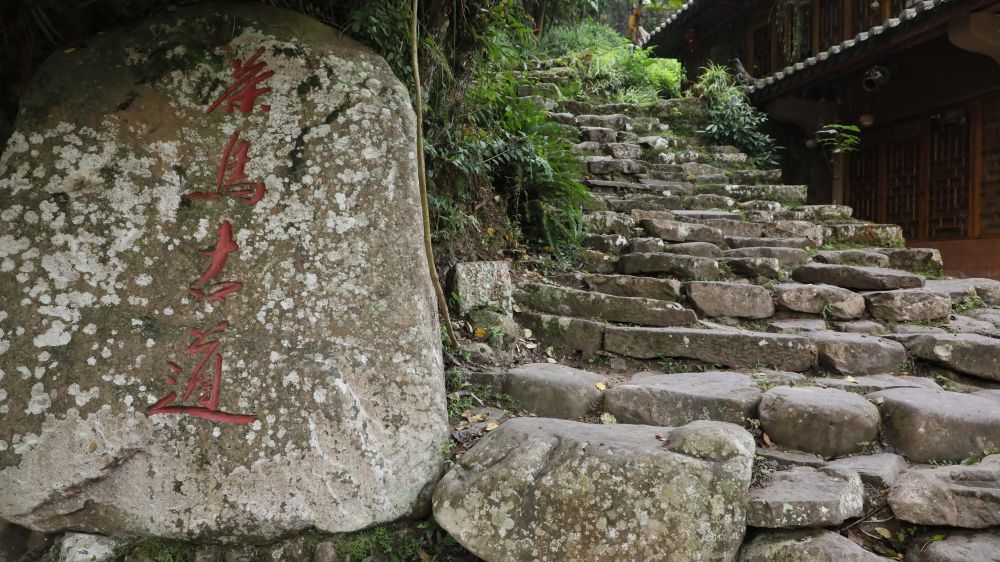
[[732, 120], [582, 38]]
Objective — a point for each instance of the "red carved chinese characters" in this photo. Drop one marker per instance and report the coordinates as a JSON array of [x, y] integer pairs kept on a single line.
[[242, 93], [205, 388], [205, 378], [231, 171], [219, 255]]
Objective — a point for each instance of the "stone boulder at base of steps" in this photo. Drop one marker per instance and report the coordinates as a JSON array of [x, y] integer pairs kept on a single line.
[[154, 386], [954, 496], [553, 490], [928, 425], [807, 545]]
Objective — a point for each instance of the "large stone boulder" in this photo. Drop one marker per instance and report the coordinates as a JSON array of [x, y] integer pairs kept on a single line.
[[218, 319], [554, 490]]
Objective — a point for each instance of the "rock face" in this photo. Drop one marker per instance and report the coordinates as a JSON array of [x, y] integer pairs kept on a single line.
[[539, 489], [262, 397], [956, 496]]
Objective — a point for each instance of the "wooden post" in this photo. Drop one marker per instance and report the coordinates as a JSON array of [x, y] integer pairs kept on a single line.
[[848, 19], [976, 149], [816, 23]]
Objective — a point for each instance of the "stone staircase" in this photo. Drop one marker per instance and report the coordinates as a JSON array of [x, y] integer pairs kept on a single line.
[[708, 292]]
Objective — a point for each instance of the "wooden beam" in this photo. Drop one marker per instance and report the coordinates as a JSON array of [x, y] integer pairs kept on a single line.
[[882, 182], [887, 9]]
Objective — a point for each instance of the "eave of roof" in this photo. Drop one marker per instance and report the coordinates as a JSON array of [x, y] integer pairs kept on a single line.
[[909, 19]]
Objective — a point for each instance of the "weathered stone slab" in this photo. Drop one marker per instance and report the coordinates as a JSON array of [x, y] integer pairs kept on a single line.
[[967, 353], [955, 496], [624, 150], [875, 383], [881, 470], [482, 285], [853, 257], [796, 325], [732, 349], [808, 545], [869, 327], [923, 260], [866, 234], [676, 399], [787, 257], [856, 277], [806, 497], [699, 249], [564, 333], [934, 425], [675, 231], [685, 267], [623, 285], [608, 222], [858, 354], [742, 228], [616, 121], [956, 546], [563, 301], [824, 421], [733, 300], [908, 305], [121, 171], [737, 242], [646, 245], [825, 300], [613, 166], [679, 494], [607, 243], [554, 391], [794, 229], [957, 289], [753, 267]]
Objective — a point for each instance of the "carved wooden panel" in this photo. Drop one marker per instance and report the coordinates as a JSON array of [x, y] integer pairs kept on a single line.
[[989, 214], [862, 178], [949, 184], [902, 156]]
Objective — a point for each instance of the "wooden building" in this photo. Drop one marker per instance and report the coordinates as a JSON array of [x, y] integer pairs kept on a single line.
[[922, 79]]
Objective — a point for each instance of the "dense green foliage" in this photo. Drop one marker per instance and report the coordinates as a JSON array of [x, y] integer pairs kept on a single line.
[[732, 120]]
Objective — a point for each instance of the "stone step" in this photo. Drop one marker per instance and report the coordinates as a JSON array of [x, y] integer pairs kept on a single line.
[[786, 257], [599, 135], [788, 194], [607, 243], [739, 228], [680, 266], [971, 354], [823, 421], [857, 354], [909, 305], [807, 545], [699, 249], [857, 277], [756, 177], [706, 215], [612, 166], [703, 173], [563, 333], [742, 242], [806, 497], [952, 496], [957, 546], [645, 202], [727, 348], [675, 231], [511, 495], [826, 300], [616, 121], [549, 390], [865, 234], [652, 398], [920, 260], [563, 301], [623, 285], [865, 258], [752, 268], [959, 289], [608, 222], [928, 425], [717, 299]]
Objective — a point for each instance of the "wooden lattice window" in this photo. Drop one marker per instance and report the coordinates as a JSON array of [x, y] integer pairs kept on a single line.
[[831, 24], [863, 180], [989, 213], [867, 14], [902, 201], [949, 186]]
